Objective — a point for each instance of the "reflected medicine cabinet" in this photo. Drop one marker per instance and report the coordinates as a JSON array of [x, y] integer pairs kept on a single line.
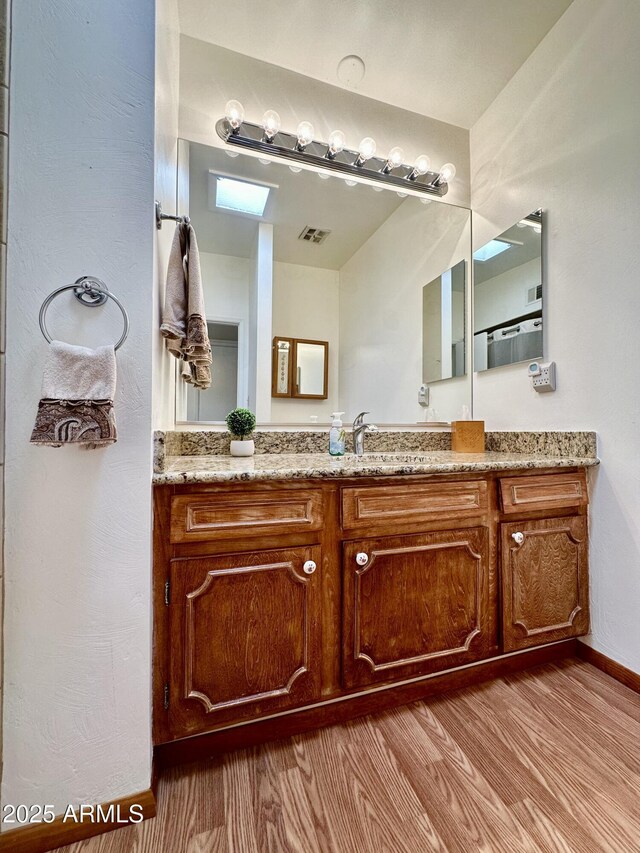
[[300, 368]]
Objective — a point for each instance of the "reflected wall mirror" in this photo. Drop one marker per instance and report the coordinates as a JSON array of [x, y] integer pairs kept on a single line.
[[300, 369], [507, 296], [323, 286], [443, 325]]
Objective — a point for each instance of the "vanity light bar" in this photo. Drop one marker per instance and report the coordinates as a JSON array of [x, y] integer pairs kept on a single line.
[[300, 147]]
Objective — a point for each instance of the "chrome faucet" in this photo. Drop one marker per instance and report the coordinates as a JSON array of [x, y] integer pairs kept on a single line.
[[359, 429]]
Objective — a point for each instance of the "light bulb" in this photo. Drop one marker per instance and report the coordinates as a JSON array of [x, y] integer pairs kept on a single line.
[[234, 114], [366, 150], [447, 173], [336, 143], [394, 159], [305, 134], [270, 124]]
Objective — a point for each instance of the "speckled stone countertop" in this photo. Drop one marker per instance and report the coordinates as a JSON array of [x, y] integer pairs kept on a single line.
[[302, 466]]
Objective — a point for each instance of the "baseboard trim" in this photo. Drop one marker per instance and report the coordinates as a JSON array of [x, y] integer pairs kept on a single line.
[[209, 744], [41, 837], [616, 670]]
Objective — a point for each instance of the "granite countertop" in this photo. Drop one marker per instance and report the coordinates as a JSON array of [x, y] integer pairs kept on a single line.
[[301, 466]]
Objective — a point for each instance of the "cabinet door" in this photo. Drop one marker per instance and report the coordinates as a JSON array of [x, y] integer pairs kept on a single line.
[[416, 604], [245, 634], [544, 581]]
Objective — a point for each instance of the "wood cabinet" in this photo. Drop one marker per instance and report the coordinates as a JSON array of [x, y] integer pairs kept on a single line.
[[415, 604], [545, 577], [295, 599], [245, 635]]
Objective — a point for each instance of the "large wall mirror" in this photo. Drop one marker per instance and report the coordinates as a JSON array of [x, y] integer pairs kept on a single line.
[[507, 296], [323, 296]]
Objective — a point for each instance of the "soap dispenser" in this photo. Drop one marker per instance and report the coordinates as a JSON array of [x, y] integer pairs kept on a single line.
[[336, 435]]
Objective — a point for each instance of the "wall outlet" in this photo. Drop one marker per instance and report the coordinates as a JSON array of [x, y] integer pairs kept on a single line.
[[544, 379]]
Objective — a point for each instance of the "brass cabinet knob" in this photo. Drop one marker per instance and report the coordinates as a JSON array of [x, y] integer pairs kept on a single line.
[[309, 567]]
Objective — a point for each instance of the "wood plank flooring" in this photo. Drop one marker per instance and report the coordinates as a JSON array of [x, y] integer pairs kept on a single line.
[[547, 760]]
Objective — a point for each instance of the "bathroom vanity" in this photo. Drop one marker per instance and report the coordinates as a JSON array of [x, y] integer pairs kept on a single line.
[[287, 597]]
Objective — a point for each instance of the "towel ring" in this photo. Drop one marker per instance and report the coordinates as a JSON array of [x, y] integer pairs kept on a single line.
[[92, 292]]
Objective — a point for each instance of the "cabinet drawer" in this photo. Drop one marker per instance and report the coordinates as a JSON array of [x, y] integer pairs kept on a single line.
[[367, 506], [223, 516], [547, 491]]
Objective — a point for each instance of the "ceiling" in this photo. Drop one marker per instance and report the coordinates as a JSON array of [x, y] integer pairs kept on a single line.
[[352, 214], [447, 59], [526, 245]]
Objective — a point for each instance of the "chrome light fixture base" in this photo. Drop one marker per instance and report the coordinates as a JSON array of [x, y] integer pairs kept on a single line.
[[285, 145]]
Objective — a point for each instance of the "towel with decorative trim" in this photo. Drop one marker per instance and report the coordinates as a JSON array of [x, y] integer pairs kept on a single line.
[[78, 386], [184, 318]]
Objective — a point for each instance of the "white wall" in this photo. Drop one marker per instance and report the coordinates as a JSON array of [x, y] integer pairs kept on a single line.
[[504, 298], [211, 75], [563, 135], [381, 314], [167, 77], [306, 305], [226, 281], [78, 523]]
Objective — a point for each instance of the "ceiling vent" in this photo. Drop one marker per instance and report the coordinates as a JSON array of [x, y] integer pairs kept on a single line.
[[313, 235]]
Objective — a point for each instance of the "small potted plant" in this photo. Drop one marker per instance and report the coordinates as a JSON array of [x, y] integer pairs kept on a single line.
[[241, 423]]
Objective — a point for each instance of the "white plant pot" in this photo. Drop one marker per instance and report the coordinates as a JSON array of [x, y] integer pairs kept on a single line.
[[243, 448]]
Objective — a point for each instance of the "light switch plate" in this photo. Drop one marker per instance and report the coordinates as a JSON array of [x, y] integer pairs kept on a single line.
[[545, 380]]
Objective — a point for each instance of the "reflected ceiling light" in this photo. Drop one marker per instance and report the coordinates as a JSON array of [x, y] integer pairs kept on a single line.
[[350, 183], [264, 162], [490, 250], [323, 176], [394, 160], [420, 167], [241, 196], [300, 147], [295, 169], [305, 134], [446, 174], [270, 125], [234, 114], [537, 226], [337, 142], [366, 150]]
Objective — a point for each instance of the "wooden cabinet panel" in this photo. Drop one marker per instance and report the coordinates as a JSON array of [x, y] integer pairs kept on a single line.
[[245, 634], [544, 581], [543, 492], [420, 603], [364, 507], [223, 516]]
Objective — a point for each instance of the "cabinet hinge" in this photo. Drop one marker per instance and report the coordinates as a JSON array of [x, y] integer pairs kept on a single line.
[[166, 696], [167, 588]]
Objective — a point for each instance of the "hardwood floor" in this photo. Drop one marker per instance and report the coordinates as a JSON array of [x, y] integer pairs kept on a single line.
[[547, 760]]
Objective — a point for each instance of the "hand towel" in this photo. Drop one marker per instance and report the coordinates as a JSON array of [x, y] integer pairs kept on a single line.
[[78, 386], [184, 318]]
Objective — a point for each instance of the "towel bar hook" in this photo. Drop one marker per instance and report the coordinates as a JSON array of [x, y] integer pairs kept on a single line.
[[91, 292]]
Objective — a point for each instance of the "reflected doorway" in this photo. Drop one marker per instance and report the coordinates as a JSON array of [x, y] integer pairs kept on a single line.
[[224, 393]]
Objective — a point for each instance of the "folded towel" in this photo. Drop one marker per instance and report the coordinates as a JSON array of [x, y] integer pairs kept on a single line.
[[184, 323], [78, 386]]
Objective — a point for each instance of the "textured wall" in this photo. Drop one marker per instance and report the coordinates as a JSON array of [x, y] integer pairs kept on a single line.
[[77, 585], [5, 13], [563, 135]]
